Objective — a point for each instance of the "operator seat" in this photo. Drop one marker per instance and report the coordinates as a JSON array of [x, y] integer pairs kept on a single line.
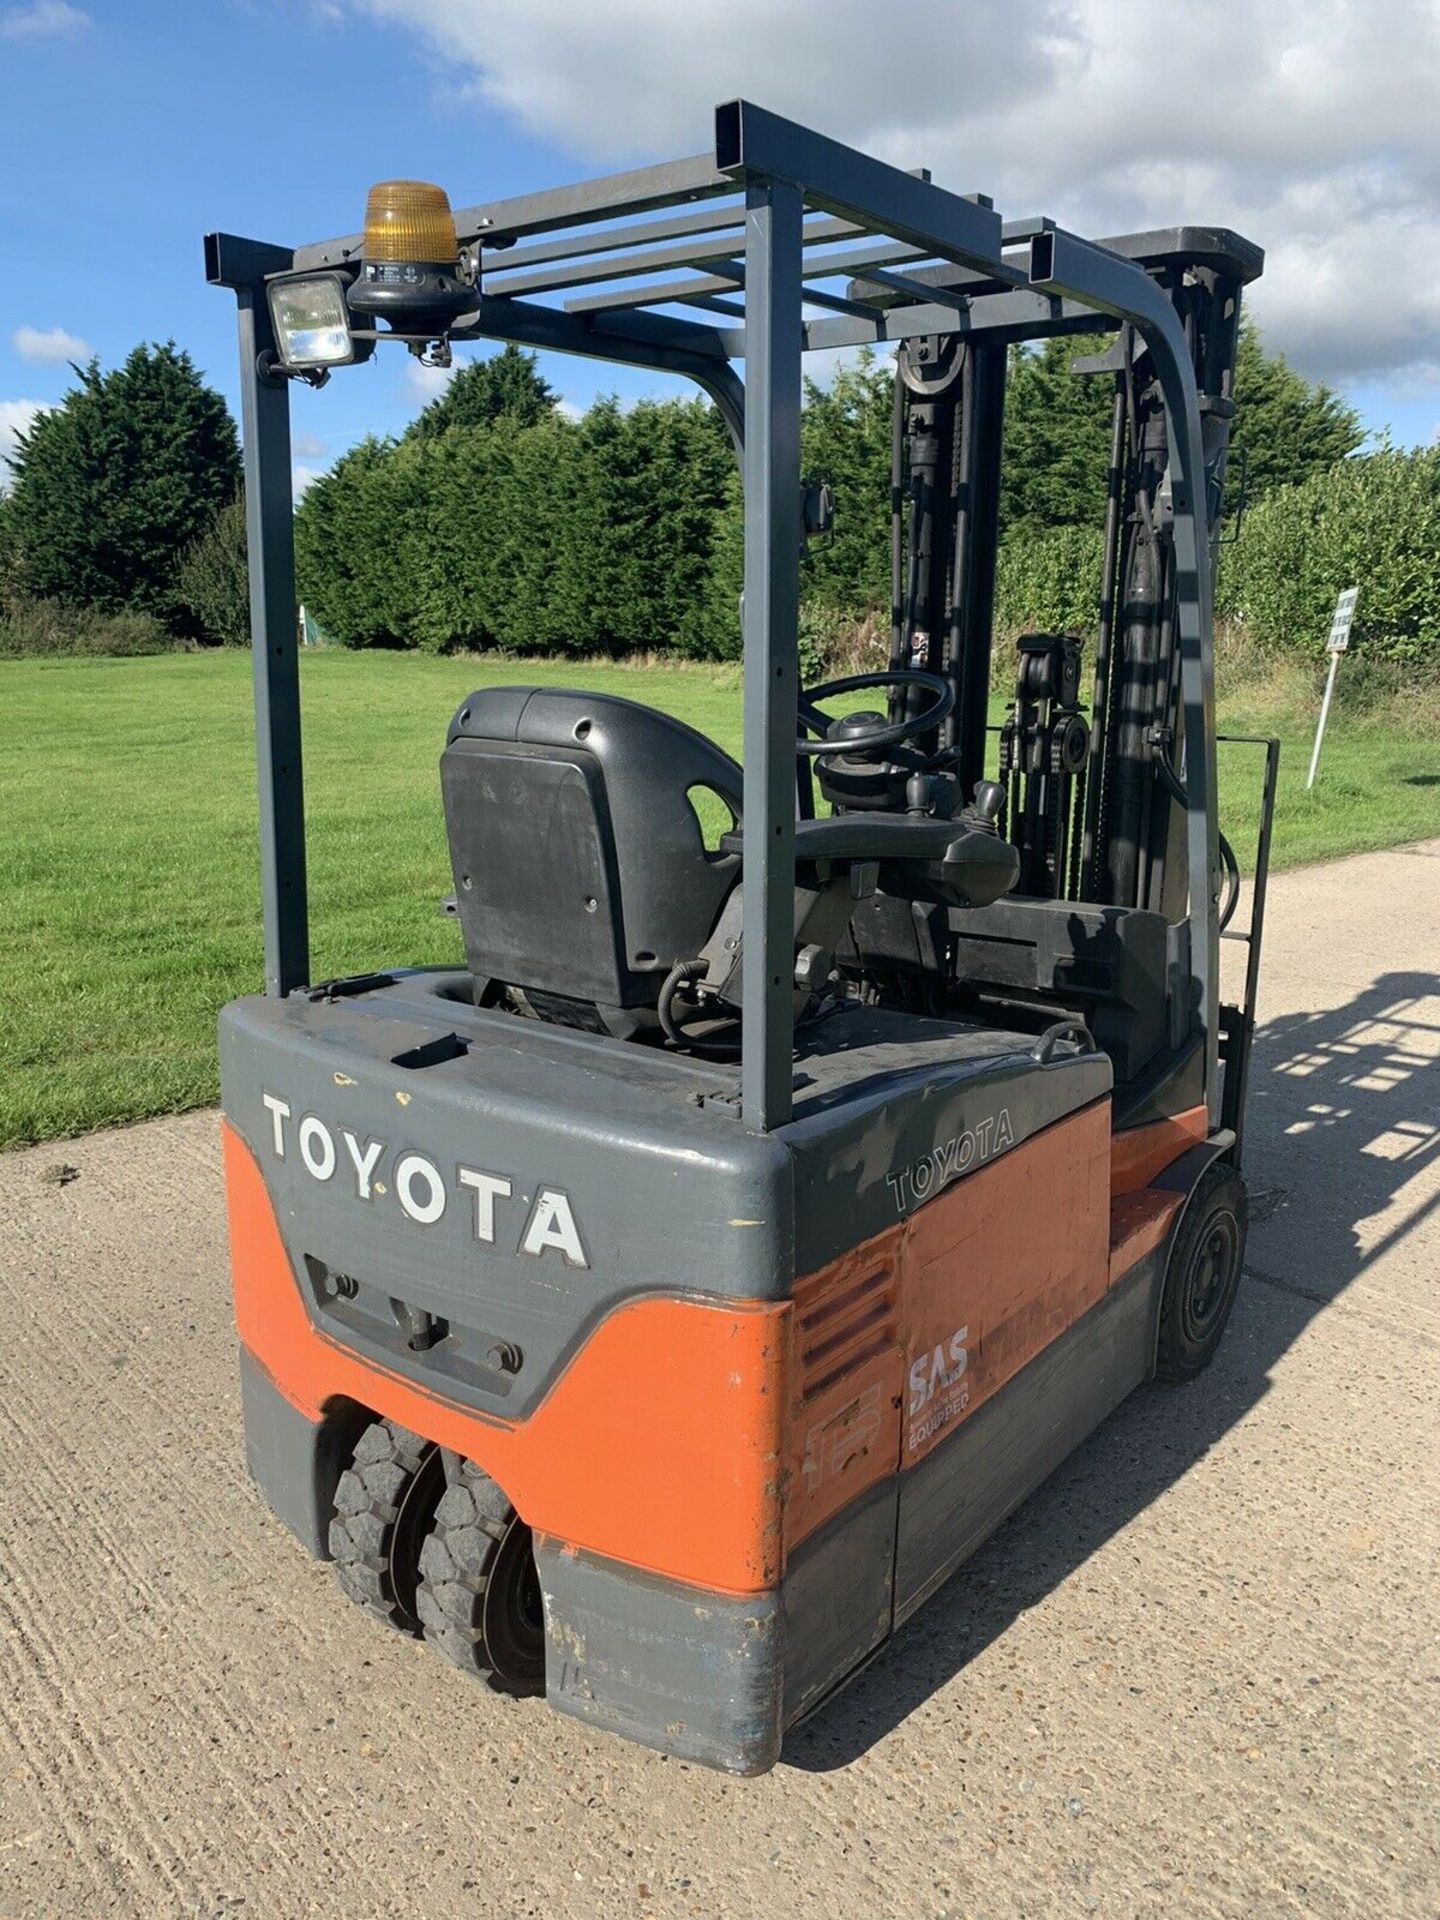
[[581, 872]]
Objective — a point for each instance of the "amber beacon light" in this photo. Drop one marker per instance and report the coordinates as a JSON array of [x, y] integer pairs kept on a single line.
[[410, 267], [409, 220]]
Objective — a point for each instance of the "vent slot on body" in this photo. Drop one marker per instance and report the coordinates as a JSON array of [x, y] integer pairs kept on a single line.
[[844, 1316]]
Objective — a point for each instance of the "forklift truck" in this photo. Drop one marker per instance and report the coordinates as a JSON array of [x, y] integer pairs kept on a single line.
[[654, 1310]]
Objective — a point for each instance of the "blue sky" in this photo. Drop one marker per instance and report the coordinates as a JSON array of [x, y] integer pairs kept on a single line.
[[130, 127], [125, 141]]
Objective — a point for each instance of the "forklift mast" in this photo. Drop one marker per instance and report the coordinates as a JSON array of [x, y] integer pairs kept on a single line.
[[1096, 809]]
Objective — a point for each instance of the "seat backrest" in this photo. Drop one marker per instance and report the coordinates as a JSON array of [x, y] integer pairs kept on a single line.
[[580, 864]]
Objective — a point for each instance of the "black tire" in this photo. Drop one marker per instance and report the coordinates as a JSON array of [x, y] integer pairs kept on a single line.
[[479, 1594], [384, 1504], [1203, 1274]]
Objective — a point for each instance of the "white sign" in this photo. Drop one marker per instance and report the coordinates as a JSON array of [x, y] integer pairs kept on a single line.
[[1337, 643], [1340, 625]]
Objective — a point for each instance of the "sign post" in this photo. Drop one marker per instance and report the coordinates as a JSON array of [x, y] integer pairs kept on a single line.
[[1337, 643]]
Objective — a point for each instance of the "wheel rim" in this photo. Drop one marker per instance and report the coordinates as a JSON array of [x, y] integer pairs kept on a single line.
[[514, 1616], [1211, 1280]]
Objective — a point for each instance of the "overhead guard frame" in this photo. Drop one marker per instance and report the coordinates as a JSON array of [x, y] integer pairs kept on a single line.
[[798, 191]]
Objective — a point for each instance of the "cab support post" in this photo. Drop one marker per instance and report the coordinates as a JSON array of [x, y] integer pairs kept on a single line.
[[773, 216], [269, 515]]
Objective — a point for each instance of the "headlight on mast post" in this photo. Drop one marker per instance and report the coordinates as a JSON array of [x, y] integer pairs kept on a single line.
[[310, 321]]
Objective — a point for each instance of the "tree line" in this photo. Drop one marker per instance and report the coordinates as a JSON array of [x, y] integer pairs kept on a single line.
[[496, 521]]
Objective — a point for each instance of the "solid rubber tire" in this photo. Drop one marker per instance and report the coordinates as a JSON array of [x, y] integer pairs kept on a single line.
[[1202, 1276], [476, 1567], [384, 1503]]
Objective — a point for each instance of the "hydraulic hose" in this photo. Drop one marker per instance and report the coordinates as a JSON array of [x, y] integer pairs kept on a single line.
[[679, 975], [1232, 882], [1231, 865]]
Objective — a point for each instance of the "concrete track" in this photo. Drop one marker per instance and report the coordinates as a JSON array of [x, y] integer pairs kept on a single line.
[[1197, 1675]]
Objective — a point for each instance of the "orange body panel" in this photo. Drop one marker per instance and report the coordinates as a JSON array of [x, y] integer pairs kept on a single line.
[[998, 1267], [1140, 1222], [658, 1445], [1006, 1258], [1140, 1154]]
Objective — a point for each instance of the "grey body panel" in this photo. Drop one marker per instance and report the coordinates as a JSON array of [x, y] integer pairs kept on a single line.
[[839, 1599], [295, 1463], [699, 1675], [667, 1192], [958, 1495], [892, 1092]]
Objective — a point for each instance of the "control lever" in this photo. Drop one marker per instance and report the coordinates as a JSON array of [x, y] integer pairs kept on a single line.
[[983, 813]]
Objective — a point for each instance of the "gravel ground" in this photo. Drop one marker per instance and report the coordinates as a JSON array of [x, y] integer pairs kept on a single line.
[[1195, 1676]]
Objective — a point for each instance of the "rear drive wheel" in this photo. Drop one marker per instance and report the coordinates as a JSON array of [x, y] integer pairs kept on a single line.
[[479, 1593], [384, 1503], [1203, 1275]]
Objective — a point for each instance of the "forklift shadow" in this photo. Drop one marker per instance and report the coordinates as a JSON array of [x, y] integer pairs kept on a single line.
[[1344, 1123]]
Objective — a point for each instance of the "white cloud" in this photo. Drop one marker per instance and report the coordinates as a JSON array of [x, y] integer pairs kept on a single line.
[[43, 20], [827, 363], [568, 410], [16, 417], [307, 446], [49, 343], [1313, 128], [427, 382], [302, 477]]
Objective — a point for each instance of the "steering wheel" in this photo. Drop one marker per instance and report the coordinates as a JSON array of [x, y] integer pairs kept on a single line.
[[889, 735]]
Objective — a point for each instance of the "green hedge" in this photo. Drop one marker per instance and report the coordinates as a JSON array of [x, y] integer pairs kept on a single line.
[[1372, 521], [34, 628], [1049, 581], [621, 534], [611, 535], [212, 583]]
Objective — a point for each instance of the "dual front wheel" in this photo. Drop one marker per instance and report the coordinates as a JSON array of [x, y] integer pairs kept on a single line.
[[450, 1560]]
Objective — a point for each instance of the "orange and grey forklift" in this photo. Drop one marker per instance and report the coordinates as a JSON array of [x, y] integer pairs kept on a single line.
[[655, 1309]]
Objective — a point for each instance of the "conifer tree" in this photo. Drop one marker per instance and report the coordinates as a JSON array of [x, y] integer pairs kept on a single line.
[[114, 484], [508, 384]]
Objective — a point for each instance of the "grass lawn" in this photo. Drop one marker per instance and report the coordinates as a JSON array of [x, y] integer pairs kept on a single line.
[[129, 897]]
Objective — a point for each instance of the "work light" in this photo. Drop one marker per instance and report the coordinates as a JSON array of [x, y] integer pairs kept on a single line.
[[410, 270], [312, 327]]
